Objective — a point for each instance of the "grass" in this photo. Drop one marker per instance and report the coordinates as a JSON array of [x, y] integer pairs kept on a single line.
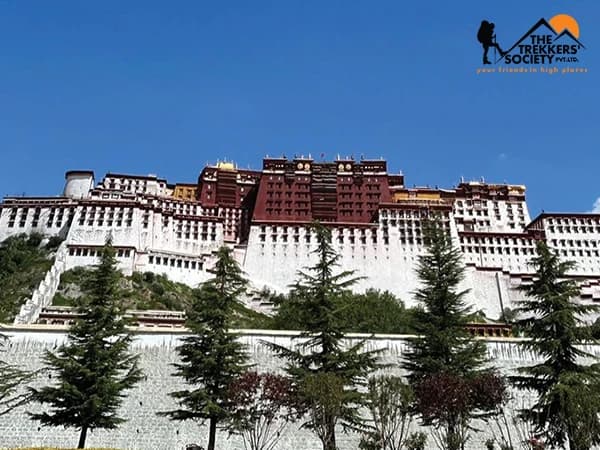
[[150, 291], [23, 265]]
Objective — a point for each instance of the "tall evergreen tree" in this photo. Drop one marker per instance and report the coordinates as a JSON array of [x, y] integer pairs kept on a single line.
[[326, 373], [211, 357], [444, 350], [568, 392], [94, 367]]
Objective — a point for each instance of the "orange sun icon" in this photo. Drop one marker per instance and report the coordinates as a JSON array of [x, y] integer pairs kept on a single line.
[[562, 22]]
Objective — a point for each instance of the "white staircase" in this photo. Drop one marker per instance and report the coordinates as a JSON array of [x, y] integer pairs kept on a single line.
[[44, 293]]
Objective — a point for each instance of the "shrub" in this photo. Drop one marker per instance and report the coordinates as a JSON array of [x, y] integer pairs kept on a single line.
[[34, 240], [157, 288], [416, 441], [54, 242], [148, 277], [137, 277]]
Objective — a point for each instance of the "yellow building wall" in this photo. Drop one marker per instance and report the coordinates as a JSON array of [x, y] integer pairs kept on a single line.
[[185, 192], [408, 195]]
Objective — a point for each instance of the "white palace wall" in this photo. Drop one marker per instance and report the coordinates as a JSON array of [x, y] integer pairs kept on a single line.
[[179, 239], [386, 266], [144, 430], [47, 218], [163, 245]]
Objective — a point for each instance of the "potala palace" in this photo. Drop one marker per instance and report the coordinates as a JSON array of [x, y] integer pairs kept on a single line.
[[175, 228], [265, 216]]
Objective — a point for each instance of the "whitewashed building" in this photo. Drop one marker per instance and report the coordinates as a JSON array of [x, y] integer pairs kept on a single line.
[[376, 222]]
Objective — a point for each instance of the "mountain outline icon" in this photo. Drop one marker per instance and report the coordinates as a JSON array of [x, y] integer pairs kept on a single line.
[[539, 23], [568, 34]]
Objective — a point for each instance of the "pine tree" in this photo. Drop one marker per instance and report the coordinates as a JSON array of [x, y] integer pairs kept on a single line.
[[94, 367], [444, 351], [326, 374], [211, 357], [568, 392]]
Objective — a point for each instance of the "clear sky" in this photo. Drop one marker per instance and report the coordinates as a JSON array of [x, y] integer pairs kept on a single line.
[[164, 87]]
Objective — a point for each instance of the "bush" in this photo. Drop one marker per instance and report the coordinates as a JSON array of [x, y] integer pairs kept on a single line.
[[23, 265], [371, 312], [34, 240], [74, 276], [137, 278], [148, 277], [61, 300], [416, 441], [157, 288], [54, 242]]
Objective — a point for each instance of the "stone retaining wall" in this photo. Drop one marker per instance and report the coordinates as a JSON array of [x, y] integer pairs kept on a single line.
[[144, 430]]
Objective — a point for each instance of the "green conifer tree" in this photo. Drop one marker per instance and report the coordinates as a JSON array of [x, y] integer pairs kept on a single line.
[[326, 374], [444, 350], [568, 392], [211, 357], [94, 367]]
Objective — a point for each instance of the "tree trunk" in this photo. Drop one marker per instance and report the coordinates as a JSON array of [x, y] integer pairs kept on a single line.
[[573, 445], [329, 442], [82, 437], [212, 432], [451, 437]]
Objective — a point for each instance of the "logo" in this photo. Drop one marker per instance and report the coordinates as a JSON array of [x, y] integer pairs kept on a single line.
[[546, 46]]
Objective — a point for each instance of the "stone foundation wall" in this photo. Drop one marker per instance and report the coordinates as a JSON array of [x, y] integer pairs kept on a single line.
[[144, 430]]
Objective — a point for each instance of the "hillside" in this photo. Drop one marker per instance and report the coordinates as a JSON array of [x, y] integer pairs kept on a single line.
[[150, 291], [24, 261]]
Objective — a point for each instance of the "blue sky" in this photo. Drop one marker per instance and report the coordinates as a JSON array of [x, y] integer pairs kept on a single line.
[[163, 87]]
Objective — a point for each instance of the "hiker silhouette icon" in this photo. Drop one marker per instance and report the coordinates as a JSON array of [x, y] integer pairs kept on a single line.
[[487, 38]]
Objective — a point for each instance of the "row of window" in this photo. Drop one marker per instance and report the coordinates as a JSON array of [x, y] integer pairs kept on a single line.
[[412, 214], [353, 187], [469, 226], [55, 217], [499, 250], [187, 225], [496, 240], [573, 243], [109, 222], [484, 203], [230, 212], [106, 209], [528, 251], [358, 195], [573, 229], [296, 230], [288, 203], [186, 209], [408, 223], [573, 221], [96, 252], [307, 238], [106, 196], [175, 262], [484, 213], [196, 236], [594, 253], [356, 204], [35, 224], [287, 212]]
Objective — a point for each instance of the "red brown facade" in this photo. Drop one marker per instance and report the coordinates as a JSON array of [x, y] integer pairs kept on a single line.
[[302, 190]]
